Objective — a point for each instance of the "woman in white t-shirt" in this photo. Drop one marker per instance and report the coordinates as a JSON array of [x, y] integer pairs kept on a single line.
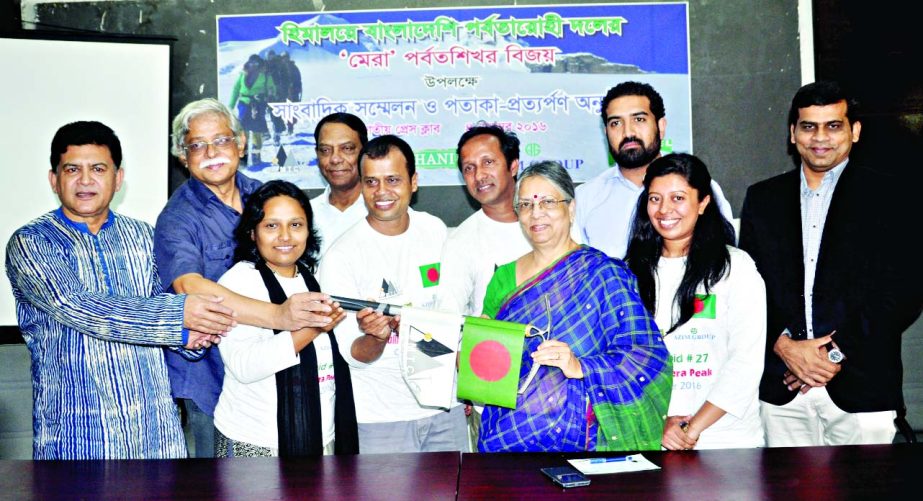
[[284, 393], [709, 301]]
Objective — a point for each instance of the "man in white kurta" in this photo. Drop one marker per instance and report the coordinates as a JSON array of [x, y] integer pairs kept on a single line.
[[338, 137], [488, 158], [391, 257]]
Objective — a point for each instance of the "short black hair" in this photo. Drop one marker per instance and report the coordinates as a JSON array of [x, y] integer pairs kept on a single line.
[[509, 142], [382, 145], [822, 93], [348, 119], [634, 89], [81, 133], [254, 212]]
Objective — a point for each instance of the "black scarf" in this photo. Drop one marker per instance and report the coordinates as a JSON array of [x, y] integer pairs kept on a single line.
[[298, 392]]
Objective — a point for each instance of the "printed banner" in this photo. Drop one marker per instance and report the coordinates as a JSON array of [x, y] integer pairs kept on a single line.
[[429, 74], [491, 357]]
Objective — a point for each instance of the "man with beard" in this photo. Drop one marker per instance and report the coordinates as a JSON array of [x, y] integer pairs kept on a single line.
[[338, 138], [634, 118], [194, 246]]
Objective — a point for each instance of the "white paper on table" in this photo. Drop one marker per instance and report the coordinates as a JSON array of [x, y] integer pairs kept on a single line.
[[616, 464]]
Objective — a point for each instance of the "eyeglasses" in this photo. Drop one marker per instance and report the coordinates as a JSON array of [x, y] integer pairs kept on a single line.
[[199, 147], [546, 204]]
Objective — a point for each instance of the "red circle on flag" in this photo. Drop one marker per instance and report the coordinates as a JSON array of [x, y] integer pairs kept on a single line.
[[432, 274], [698, 305], [490, 361]]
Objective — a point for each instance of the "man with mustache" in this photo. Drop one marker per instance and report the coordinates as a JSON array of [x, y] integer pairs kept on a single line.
[[635, 122], [338, 138], [194, 246], [390, 257], [93, 315]]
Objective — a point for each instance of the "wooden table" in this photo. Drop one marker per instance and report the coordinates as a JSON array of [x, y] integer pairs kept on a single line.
[[813, 473], [393, 476]]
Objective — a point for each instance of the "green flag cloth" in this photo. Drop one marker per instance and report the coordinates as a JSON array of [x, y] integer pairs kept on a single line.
[[703, 306], [490, 359], [429, 273]]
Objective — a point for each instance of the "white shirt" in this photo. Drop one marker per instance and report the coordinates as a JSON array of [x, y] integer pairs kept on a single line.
[[246, 410], [471, 254], [331, 222], [719, 360], [365, 264], [606, 208]]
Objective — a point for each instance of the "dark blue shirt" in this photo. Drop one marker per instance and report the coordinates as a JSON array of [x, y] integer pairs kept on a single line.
[[195, 234]]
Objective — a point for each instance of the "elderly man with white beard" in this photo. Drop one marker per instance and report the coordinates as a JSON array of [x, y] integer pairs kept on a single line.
[[194, 246]]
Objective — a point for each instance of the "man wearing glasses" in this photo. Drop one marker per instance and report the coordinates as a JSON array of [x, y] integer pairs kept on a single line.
[[194, 245], [338, 138]]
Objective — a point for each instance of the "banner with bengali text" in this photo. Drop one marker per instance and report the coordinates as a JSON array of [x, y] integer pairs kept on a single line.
[[429, 74]]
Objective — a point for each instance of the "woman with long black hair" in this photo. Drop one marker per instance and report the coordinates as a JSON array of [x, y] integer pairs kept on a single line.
[[710, 302]]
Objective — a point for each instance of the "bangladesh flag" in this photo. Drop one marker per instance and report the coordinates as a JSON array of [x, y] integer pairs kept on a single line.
[[704, 305], [491, 356], [429, 273]]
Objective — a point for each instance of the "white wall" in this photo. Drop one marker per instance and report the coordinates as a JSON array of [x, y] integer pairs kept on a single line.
[[48, 83]]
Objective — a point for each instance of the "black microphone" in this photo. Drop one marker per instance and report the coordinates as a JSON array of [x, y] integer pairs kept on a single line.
[[358, 304]]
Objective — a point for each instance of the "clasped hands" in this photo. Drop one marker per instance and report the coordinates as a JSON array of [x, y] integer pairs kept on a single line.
[[678, 435], [807, 362]]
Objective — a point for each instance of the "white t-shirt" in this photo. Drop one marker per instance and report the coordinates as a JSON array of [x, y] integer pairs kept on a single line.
[[331, 222], [471, 254], [718, 359], [246, 410], [364, 264]]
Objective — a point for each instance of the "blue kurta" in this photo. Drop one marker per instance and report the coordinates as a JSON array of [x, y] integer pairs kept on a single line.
[[92, 313]]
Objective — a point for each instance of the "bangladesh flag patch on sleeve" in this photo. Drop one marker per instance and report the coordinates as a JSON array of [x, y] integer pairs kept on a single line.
[[704, 306], [429, 273]]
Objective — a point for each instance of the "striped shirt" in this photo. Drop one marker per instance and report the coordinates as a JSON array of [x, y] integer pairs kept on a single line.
[[93, 315], [814, 207]]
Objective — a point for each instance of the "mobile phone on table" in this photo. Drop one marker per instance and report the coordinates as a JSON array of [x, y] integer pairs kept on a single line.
[[566, 476]]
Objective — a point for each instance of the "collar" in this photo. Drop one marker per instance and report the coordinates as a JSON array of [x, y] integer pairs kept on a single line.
[[830, 177], [618, 177], [82, 227], [244, 184]]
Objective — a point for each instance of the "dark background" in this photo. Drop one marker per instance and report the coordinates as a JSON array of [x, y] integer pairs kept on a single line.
[[745, 67]]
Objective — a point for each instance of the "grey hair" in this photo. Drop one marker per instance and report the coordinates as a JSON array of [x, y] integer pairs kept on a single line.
[[195, 109], [551, 171]]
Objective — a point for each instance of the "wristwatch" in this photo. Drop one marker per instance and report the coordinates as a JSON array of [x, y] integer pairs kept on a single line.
[[834, 354]]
